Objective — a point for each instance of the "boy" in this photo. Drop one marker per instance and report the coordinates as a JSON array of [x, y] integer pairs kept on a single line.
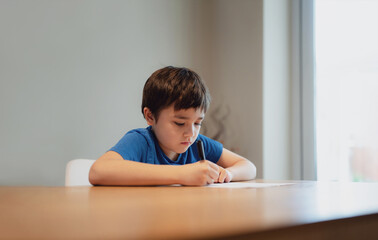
[[175, 101]]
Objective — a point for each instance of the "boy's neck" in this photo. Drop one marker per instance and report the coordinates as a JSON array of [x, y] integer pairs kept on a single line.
[[173, 158]]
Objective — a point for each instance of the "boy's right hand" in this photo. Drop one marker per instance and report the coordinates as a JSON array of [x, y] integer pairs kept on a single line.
[[199, 173]]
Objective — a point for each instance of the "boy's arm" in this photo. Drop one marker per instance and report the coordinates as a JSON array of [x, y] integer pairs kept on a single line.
[[238, 167], [112, 169]]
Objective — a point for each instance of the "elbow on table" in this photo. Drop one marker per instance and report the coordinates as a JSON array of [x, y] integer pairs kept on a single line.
[[253, 170], [94, 175]]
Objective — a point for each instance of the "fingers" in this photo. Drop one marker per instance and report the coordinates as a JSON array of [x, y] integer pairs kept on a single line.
[[224, 176], [229, 177], [213, 165], [210, 180], [211, 170], [215, 173]]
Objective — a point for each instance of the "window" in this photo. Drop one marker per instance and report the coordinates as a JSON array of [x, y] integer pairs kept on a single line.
[[346, 86]]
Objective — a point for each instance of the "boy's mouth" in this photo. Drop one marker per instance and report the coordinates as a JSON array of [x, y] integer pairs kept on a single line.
[[186, 143]]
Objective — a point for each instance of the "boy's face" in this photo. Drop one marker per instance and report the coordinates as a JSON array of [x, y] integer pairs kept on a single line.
[[176, 130]]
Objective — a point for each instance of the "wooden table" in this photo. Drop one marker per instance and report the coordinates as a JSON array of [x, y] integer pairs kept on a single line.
[[304, 210]]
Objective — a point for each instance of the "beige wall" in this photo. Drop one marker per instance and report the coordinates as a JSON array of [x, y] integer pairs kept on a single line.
[[72, 72], [236, 78]]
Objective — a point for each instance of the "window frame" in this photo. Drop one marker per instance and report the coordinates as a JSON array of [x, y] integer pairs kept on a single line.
[[303, 91]]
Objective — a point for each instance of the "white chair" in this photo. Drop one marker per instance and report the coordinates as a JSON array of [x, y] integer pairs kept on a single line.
[[77, 172]]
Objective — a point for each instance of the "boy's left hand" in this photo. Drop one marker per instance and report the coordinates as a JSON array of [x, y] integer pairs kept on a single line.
[[225, 176]]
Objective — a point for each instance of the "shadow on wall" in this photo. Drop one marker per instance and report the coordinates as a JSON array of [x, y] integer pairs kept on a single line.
[[216, 127]]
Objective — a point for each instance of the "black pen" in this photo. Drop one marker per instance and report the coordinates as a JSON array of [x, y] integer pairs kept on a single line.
[[201, 152]]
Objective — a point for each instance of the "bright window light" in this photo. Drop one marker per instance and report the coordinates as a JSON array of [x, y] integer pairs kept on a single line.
[[346, 49]]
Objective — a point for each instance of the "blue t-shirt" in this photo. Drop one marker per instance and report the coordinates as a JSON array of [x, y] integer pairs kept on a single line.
[[141, 145]]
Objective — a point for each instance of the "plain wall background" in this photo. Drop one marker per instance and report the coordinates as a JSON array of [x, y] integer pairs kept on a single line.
[[72, 73], [237, 77]]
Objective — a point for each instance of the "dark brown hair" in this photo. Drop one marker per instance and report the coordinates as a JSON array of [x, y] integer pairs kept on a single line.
[[174, 85]]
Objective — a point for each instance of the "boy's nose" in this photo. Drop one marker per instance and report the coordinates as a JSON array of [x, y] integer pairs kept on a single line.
[[189, 132]]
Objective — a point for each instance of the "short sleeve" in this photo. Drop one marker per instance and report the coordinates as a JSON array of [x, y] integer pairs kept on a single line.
[[213, 149], [132, 146]]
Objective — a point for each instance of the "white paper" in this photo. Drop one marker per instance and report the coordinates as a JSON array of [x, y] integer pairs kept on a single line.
[[246, 185]]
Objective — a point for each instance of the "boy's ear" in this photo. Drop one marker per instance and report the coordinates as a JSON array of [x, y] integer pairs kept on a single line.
[[148, 116]]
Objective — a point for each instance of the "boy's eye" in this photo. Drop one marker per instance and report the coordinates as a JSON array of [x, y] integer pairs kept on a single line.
[[179, 124], [182, 124]]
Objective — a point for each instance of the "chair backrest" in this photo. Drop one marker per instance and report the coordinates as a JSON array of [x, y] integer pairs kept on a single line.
[[77, 172]]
